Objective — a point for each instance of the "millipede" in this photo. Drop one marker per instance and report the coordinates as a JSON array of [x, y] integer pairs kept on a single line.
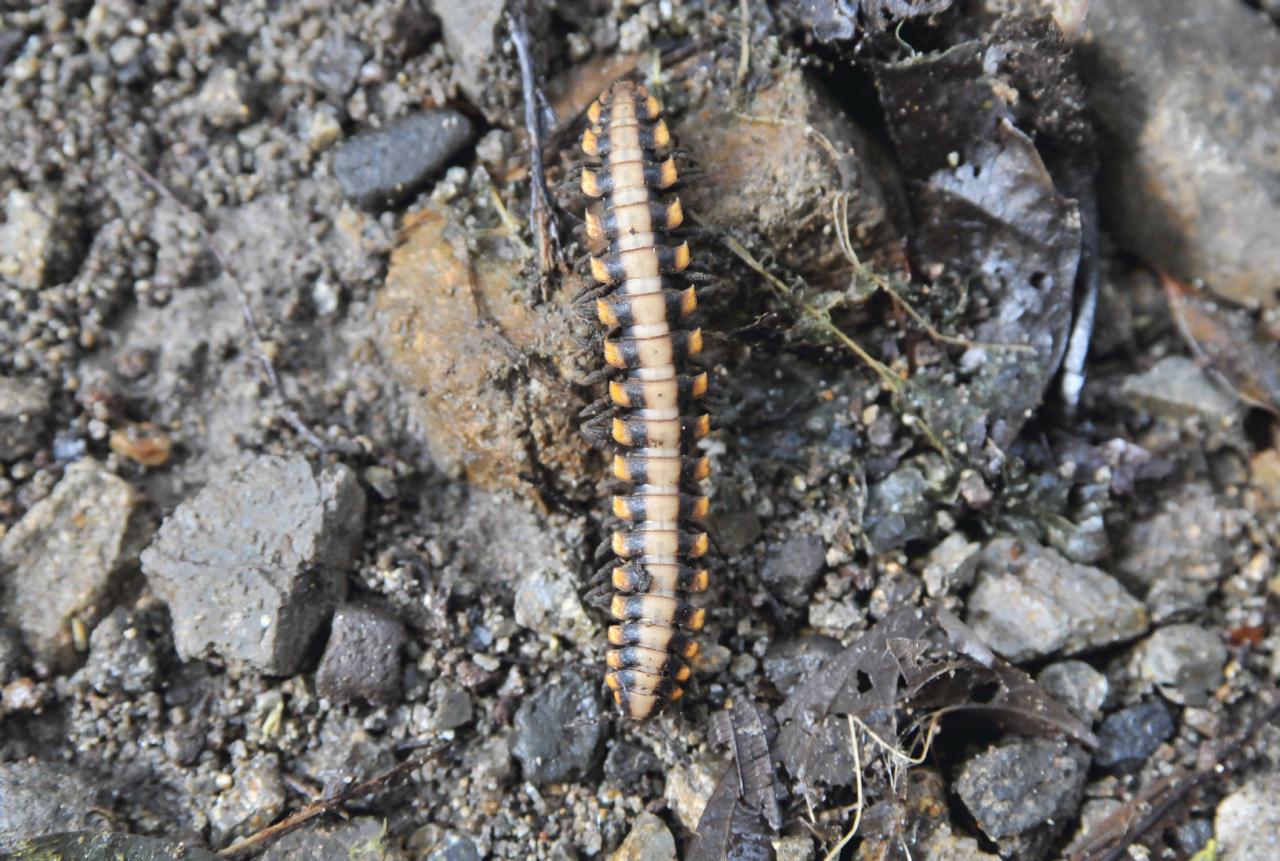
[[652, 400]]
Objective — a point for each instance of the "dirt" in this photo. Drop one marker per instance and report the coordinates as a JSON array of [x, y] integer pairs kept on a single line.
[[893, 223]]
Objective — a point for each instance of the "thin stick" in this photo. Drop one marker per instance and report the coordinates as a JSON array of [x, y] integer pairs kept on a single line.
[[324, 805], [283, 406], [744, 55], [539, 210]]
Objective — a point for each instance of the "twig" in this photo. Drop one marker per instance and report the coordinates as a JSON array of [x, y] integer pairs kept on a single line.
[[744, 53], [858, 803], [283, 406], [324, 805], [539, 210]]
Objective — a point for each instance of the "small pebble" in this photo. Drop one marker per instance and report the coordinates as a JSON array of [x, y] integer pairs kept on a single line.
[[1129, 736]]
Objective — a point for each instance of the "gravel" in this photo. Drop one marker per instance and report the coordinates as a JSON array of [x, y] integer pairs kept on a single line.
[[24, 409], [1130, 735], [377, 169], [361, 660], [121, 656], [67, 555], [1031, 602], [252, 566]]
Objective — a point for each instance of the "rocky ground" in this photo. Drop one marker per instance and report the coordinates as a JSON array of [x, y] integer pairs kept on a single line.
[[223, 600]]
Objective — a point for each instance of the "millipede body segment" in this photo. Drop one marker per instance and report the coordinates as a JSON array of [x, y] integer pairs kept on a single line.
[[654, 393]]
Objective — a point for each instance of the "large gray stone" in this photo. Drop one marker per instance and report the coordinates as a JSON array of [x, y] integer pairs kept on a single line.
[[253, 564], [1188, 97], [379, 168], [38, 798], [1247, 823], [61, 561]]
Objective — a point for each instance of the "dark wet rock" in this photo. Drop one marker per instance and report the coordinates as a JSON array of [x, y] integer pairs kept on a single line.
[[24, 409], [362, 658], [1179, 554], [361, 839], [471, 31], [1184, 662], [1188, 95], [338, 67], [627, 762], [899, 510], [67, 555], [1076, 685], [648, 840], [38, 798], [789, 662], [1247, 822], [378, 169], [1031, 602], [950, 567], [1129, 736], [1177, 388], [252, 566], [792, 567], [1022, 794], [108, 846], [558, 734], [253, 801], [121, 656]]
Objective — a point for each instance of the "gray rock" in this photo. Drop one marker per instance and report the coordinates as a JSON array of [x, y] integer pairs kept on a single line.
[[797, 847], [792, 567], [627, 762], [378, 169], [362, 658], [1177, 389], [38, 798], [338, 66], [455, 847], [648, 840], [37, 241], [951, 565], [120, 656], [450, 705], [1188, 97], [547, 601], [1023, 793], [1247, 822], [252, 566], [1184, 662], [898, 510], [1193, 834], [1031, 602], [471, 32], [224, 99], [360, 839], [253, 801], [24, 409], [789, 662], [66, 556], [558, 734], [1179, 554], [1076, 685], [1129, 736]]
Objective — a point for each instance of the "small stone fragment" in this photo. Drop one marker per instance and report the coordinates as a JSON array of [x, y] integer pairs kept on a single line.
[[1177, 389], [792, 567], [362, 658], [361, 839], [471, 32], [898, 510], [1247, 823], [253, 564], [1022, 794], [649, 840], [547, 602], [1031, 602], [558, 736], [455, 847], [24, 410], [1076, 685], [1129, 736], [1184, 662], [797, 847], [378, 169], [450, 705], [120, 656], [37, 241], [627, 762], [38, 798], [338, 66], [224, 101], [253, 801], [689, 787], [67, 554], [950, 566]]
